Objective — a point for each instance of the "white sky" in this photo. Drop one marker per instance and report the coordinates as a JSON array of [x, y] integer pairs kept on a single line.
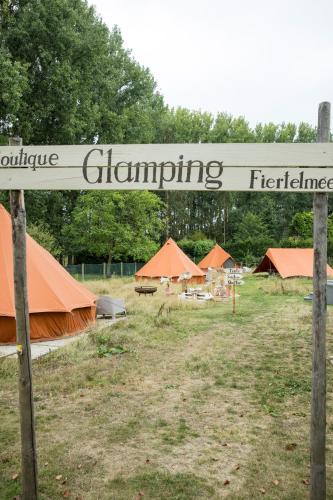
[[267, 60]]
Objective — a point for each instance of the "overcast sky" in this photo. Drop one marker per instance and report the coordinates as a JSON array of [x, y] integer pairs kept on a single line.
[[263, 59]]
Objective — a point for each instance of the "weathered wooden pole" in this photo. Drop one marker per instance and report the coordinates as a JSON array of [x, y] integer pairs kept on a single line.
[[28, 441], [318, 398]]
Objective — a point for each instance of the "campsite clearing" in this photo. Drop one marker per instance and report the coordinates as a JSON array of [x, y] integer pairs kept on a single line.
[[181, 401]]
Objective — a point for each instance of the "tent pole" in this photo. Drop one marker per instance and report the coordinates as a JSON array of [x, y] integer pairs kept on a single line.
[[28, 441], [318, 397]]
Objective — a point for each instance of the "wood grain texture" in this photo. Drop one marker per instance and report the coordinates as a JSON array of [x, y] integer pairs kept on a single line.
[[231, 179], [233, 155], [28, 441], [318, 397]]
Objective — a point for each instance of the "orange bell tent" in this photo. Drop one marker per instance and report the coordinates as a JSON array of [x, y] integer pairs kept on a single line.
[[170, 261], [216, 258], [58, 304], [288, 262]]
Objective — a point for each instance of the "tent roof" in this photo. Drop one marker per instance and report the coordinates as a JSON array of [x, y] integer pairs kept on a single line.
[[50, 286], [170, 261], [289, 262], [216, 258]]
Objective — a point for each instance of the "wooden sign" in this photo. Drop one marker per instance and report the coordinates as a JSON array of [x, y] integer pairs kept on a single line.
[[234, 270], [176, 167], [259, 167], [234, 276], [231, 281]]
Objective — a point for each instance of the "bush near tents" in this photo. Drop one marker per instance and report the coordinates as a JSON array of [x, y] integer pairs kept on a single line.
[[196, 249], [250, 250]]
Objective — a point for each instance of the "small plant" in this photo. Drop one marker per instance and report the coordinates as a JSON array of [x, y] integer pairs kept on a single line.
[[103, 351], [162, 317], [107, 347]]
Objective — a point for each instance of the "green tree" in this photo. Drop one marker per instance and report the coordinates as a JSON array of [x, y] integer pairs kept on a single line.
[[67, 79], [302, 225], [306, 133], [41, 233], [251, 239], [251, 226], [181, 125], [266, 133], [116, 225], [196, 248], [81, 83], [301, 232], [229, 129], [13, 83], [286, 132]]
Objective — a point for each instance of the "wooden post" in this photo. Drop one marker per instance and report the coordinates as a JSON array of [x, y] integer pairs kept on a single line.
[[28, 441], [82, 272], [318, 398], [233, 298], [121, 269], [104, 270], [224, 218]]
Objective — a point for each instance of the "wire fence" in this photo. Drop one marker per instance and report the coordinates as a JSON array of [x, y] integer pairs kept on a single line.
[[104, 270]]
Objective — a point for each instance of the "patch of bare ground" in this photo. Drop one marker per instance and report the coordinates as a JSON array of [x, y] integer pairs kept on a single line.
[[165, 416], [188, 426]]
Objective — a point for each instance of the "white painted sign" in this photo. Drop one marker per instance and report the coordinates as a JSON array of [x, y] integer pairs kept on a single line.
[[233, 276], [169, 178], [179, 167], [235, 282], [231, 155]]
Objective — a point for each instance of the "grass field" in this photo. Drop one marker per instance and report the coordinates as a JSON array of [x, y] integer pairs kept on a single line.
[[180, 401]]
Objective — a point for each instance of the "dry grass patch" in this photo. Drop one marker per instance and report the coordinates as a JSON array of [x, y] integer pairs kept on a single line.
[[290, 286], [180, 401]]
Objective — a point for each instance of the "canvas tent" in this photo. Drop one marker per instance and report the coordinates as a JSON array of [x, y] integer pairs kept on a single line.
[[58, 304], [289, 262], [170, 261], [216, 258]]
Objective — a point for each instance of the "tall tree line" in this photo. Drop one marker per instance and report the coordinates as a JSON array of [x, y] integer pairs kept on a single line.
[[67, 79]]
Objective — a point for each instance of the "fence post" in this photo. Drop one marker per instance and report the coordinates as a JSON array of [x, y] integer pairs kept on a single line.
[[104, 270], [26, 404], [121, 269], [318, 397], [82, 272], [134, 267]]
